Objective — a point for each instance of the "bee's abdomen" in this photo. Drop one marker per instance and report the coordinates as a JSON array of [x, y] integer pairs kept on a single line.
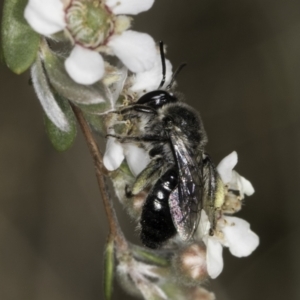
[[156, 220]]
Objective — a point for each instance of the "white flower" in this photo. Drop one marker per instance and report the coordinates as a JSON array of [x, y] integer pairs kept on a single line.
[[231, 232], [137, 158], [95, 26], [150, 80], [231, 178]]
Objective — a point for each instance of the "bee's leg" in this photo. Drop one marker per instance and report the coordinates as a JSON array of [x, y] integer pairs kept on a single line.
[[214, 192], [142, 138], [148, 176]]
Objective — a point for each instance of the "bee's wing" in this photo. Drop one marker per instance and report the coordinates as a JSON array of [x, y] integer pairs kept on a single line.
[[185, 202]]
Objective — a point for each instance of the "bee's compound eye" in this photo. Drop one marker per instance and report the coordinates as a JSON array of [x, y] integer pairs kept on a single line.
[[157, 99]]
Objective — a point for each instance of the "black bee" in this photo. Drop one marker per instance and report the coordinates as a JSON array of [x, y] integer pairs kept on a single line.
[[181, 176]]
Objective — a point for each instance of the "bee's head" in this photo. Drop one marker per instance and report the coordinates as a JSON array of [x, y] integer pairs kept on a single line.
[[158, 98]]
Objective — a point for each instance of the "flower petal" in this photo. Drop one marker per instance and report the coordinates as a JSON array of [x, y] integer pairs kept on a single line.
[[247, 186], [226, 166], [131, 7], [116, 87], [113, 155], [240, 184], [240, 239], [137, 158], [135, 49], [144, 82], [45, 16], [214, 258], [204, 225], [84, 66]]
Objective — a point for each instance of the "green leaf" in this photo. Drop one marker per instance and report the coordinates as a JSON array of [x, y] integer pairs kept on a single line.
[[125, 169], [95, 121], [85, 95], [62, 140], [159, 258], [19, 42], [2, 61], [45, 94], [109, 269]]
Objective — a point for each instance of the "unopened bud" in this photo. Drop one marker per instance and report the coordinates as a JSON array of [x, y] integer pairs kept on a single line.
[[190, 264], [135, 204], [203, 294]]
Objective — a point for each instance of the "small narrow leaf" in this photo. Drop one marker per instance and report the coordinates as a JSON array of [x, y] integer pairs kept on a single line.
[[62, 140], [46, 97], [19, 42], [159, 258], [109, 269]]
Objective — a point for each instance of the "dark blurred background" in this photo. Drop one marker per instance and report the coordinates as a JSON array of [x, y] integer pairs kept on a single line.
[[242, 75]]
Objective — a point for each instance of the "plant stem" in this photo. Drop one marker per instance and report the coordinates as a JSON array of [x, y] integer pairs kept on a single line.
[[114, 226]]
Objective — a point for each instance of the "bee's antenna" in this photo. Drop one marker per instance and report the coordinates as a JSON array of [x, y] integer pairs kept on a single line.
[[163, 64], [175, 74]]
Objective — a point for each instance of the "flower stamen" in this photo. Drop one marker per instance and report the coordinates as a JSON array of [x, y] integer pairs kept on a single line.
[[89, 22]]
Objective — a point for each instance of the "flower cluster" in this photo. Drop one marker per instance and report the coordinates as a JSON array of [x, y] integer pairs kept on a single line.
[[148, 273], [105, 66], [98, 29], [193, 262], [231, 232], [136, 85]]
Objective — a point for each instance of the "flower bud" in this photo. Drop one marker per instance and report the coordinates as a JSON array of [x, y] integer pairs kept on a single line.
[[190, 264], [135, 204], [203, 294]]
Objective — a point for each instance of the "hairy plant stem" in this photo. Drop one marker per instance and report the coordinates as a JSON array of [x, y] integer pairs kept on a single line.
[[115, 231]]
